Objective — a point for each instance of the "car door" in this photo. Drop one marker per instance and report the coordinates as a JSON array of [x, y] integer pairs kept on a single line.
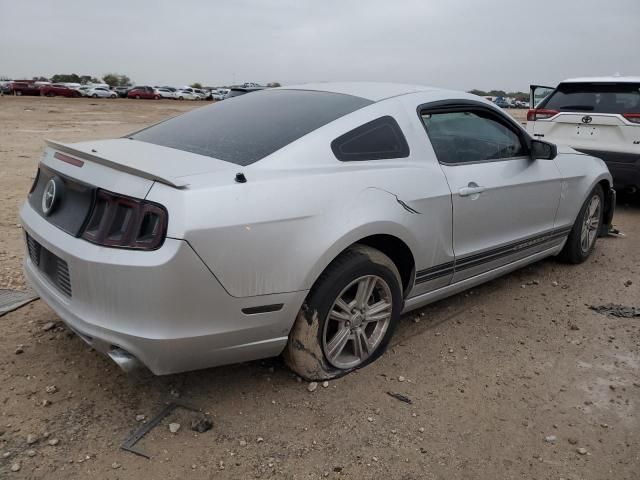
[[504, 203]]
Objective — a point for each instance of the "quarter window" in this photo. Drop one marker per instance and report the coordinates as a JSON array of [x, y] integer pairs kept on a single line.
[[376, 140], [471, 136]]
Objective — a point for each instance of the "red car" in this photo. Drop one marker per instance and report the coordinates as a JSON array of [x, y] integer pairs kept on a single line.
[[144, 92], [59, 89], [25, 87]]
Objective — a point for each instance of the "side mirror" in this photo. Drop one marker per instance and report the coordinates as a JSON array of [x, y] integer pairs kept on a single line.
[[543, 150]]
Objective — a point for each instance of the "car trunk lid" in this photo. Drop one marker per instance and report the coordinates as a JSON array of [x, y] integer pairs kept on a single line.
[[139, 159], [598, 131], [123, 167], [588, 115]]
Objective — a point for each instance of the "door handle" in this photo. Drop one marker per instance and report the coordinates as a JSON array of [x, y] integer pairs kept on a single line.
[[472, 189]]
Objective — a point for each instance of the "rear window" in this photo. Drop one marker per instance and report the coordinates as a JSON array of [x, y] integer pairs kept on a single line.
[[245, 129], [597, 98]]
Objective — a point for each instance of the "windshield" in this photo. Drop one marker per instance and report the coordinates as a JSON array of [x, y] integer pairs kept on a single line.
[[245, 129], [597, 98]]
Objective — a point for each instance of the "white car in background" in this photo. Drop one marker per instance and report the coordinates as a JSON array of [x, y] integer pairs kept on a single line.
[[187, 95], [599, 116], [166, 93], [220, 94], [84, 89], [100, 92]]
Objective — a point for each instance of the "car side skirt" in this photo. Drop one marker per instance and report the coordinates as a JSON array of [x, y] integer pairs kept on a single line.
[[554, 241], [490, 255], [435, 295]]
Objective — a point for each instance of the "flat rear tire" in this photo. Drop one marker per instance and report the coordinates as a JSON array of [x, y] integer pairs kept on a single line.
[[348, 317]]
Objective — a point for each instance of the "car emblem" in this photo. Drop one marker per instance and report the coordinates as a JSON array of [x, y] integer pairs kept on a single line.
[[50, 196], [587, 119]]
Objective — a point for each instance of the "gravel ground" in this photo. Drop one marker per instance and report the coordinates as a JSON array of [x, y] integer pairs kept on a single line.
[[515, 379]]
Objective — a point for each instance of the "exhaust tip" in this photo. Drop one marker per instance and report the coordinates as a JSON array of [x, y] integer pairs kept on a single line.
[[125, 360]]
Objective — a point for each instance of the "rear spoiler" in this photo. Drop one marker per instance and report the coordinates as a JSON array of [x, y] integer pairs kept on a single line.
[[156, 176]]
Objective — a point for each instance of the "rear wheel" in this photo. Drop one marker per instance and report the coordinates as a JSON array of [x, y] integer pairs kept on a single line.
[[156, 97], [584, 233], [18, 93], [95, 95], [348, 317]]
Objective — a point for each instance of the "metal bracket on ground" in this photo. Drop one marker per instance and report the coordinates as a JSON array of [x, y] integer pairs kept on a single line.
[[136, 436]]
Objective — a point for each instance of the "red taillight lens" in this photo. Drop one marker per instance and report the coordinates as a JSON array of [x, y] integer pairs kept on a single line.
[[540, 114], [125, 222], [632, 117]]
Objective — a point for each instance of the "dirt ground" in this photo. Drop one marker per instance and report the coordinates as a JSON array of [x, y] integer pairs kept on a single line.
[[507, 381]]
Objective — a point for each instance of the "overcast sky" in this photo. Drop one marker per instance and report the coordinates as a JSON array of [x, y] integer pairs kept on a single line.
[[459, 44]]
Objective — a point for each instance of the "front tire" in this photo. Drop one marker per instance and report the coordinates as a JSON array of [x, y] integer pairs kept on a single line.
[[349, 316], [584, 234]]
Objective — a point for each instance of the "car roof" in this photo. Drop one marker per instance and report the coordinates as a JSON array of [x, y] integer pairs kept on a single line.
[[374, 91], [612, 79]]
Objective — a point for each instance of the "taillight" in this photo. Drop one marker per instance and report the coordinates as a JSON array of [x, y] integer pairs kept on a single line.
[[540, 114], [632, 117], [125, 222]]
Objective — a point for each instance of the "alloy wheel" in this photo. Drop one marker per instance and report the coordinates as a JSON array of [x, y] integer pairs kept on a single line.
[[357, 322], [591, 224]]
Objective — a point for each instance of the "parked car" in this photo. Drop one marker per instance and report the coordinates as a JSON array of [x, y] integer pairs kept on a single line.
[[599, 116], [5, 87], [203, 93], [59, 89], [101, 92], [165, 92], [144, 92], [502, 103], [123, 90], [83, 90], [220, 94], [195, 242], [187, 95], [25, 88]]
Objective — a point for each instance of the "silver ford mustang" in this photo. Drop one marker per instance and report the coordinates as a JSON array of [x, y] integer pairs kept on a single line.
[[298, 220]]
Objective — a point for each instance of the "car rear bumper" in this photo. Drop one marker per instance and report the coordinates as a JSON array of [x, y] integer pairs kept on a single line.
[[624, 167], [162, 309]]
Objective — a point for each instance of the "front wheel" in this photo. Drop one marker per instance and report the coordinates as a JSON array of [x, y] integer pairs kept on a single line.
[[583, 236], [348, 317]]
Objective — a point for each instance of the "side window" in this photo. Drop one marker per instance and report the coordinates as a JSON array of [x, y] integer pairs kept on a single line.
[[471, 136], [379, 139]]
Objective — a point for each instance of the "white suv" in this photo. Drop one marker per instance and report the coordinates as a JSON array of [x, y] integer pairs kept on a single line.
[[597, 116]]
